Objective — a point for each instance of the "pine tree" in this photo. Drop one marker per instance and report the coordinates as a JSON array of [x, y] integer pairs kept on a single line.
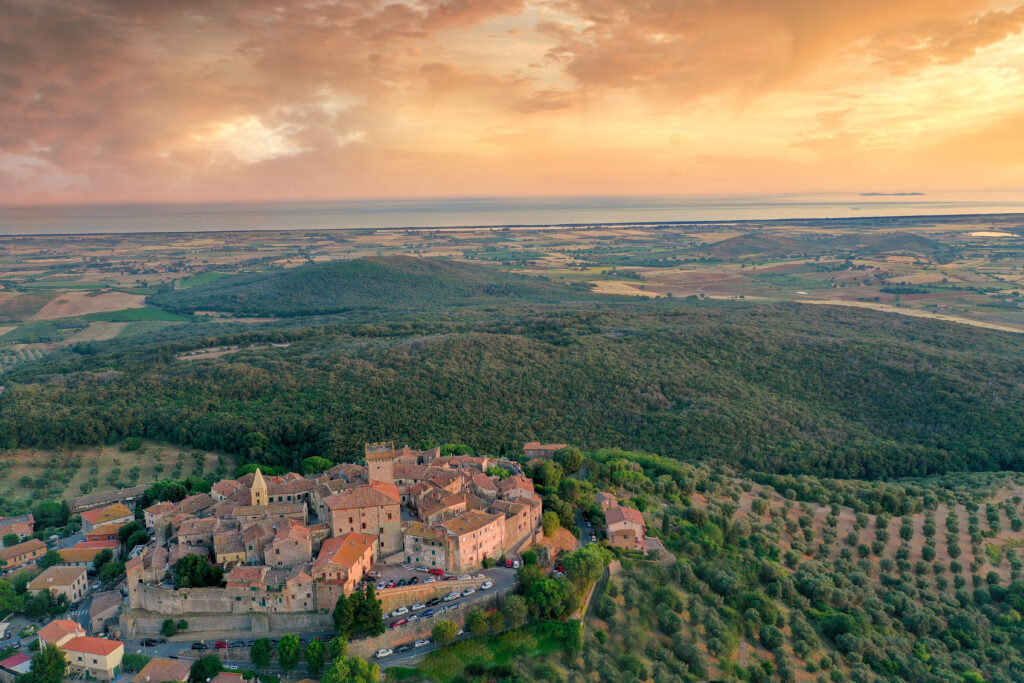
[[343, 617]]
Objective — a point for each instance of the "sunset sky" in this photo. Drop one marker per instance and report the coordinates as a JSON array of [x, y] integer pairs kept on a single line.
[[196, 100]]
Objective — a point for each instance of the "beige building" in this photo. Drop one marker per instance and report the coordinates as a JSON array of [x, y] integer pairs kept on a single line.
[[59, 631], [258, 494], [155, 513], [473, 536], [96, 657], [22, 553], [292, 545], [373, 508], [380, 462], [344, 561], [103, 609], [62, 580], [626, 528], [605, 501]]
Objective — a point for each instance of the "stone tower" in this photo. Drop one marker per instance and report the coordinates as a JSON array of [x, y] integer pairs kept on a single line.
[[258, 492], [380, 461]]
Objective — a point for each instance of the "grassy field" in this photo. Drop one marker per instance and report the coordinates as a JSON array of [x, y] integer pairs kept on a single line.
[[202, 279], [74, 471]]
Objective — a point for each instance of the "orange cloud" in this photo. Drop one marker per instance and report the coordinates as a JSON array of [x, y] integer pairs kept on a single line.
[[113, 100]]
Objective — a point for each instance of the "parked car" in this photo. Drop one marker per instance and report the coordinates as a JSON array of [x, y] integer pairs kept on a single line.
[[437, 572], [422, 642], [404, 648], [560, 568], [515, 564], [400, 611], [429, 613], [373, 574], [464, 577], [400, 582], [468, 591], [390, 584], [418, 605], [220, 645], [147, 642], [382, 585], [413, 581], [98, 585], [454, 595], [589, 525], [422, 569], [486, 584], [414, 617], [433, 601], [479, 577], [231, 667], [449, 578], [430, 580], [399, 622], [508, 563], [198, 646], [384, 652]]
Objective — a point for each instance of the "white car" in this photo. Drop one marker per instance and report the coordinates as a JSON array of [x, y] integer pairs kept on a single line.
[[400, 611], [98, 585], [430, 580], [384, 652], [464, 577], [454, 595], [422, 569], [486, 584], [479, 577], [468, 591], [381, 586], [421, 642], [515, 564], [414, 617], [589, 525], [418, 605]]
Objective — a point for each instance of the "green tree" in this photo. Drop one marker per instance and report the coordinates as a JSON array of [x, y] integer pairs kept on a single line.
[[10, 601], [570, 458], [584, 566], [444, 631], [204, 668], [351, 670], [476, 622], [550, 474], [259, 653], [111, 572], [288, 651], [315, 465], [49, 665], [195, 571], [367, 614], [343, 617], [515, 611], [102, 557], [550, 522], [50, 559], [314, 655], [337, 648], [167, 628], [11, 539]]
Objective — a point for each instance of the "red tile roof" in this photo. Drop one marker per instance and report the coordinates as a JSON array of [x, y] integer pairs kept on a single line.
[[59, 628], [92, 646], [617, 515]]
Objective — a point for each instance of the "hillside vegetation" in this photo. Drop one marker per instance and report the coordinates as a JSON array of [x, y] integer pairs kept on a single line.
[[394, 282], [779, 388]]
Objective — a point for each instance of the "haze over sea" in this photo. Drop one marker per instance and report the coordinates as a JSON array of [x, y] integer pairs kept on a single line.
[[456, 212]]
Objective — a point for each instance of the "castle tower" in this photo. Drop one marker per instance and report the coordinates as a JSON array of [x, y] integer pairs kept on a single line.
[[258, 492], [380, 461]]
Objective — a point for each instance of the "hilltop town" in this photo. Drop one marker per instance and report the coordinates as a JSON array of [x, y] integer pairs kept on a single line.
[[272, 553]]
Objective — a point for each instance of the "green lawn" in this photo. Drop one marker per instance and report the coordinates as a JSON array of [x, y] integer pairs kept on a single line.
[[203, 278]]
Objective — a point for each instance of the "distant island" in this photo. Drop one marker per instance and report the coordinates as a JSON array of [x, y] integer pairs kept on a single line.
[[892, 194]]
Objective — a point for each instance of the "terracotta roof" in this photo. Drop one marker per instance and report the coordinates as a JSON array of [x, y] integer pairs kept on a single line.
[[161, 508], [222, 677], [159, 670], [196, 503], [22, 548], [57, 575], [423, 531], [269, 510], [90, 545], [517, 481], [374, 494], [293, 530], [15, 661], [73, 555], [618, 515], [230, 542], [107, 514], [92, 646], [469, 521], [105, 529], [244, 576], [58, 628], [484, 482], [226, 487], [346, 550]]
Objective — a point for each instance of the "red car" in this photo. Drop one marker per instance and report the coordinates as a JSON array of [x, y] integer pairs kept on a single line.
[[399, 622], [437, 572], [559, 568], [391, 583], [508, 563], [220, 645]]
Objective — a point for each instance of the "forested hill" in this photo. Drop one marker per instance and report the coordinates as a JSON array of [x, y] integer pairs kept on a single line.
[[366, 283], [783, 388]]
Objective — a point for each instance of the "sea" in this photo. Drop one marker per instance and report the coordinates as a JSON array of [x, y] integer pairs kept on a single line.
[[494, 211]]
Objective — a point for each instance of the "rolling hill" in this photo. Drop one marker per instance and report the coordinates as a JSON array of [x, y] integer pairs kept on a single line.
[[391, 282]]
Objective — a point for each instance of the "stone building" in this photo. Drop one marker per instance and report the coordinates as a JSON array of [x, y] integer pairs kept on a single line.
[[380, 462], [472, 537], [626, 528], [426, 546], [373, 508]]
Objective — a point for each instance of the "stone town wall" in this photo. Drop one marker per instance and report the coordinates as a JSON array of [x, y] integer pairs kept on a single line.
[[136, 623]]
